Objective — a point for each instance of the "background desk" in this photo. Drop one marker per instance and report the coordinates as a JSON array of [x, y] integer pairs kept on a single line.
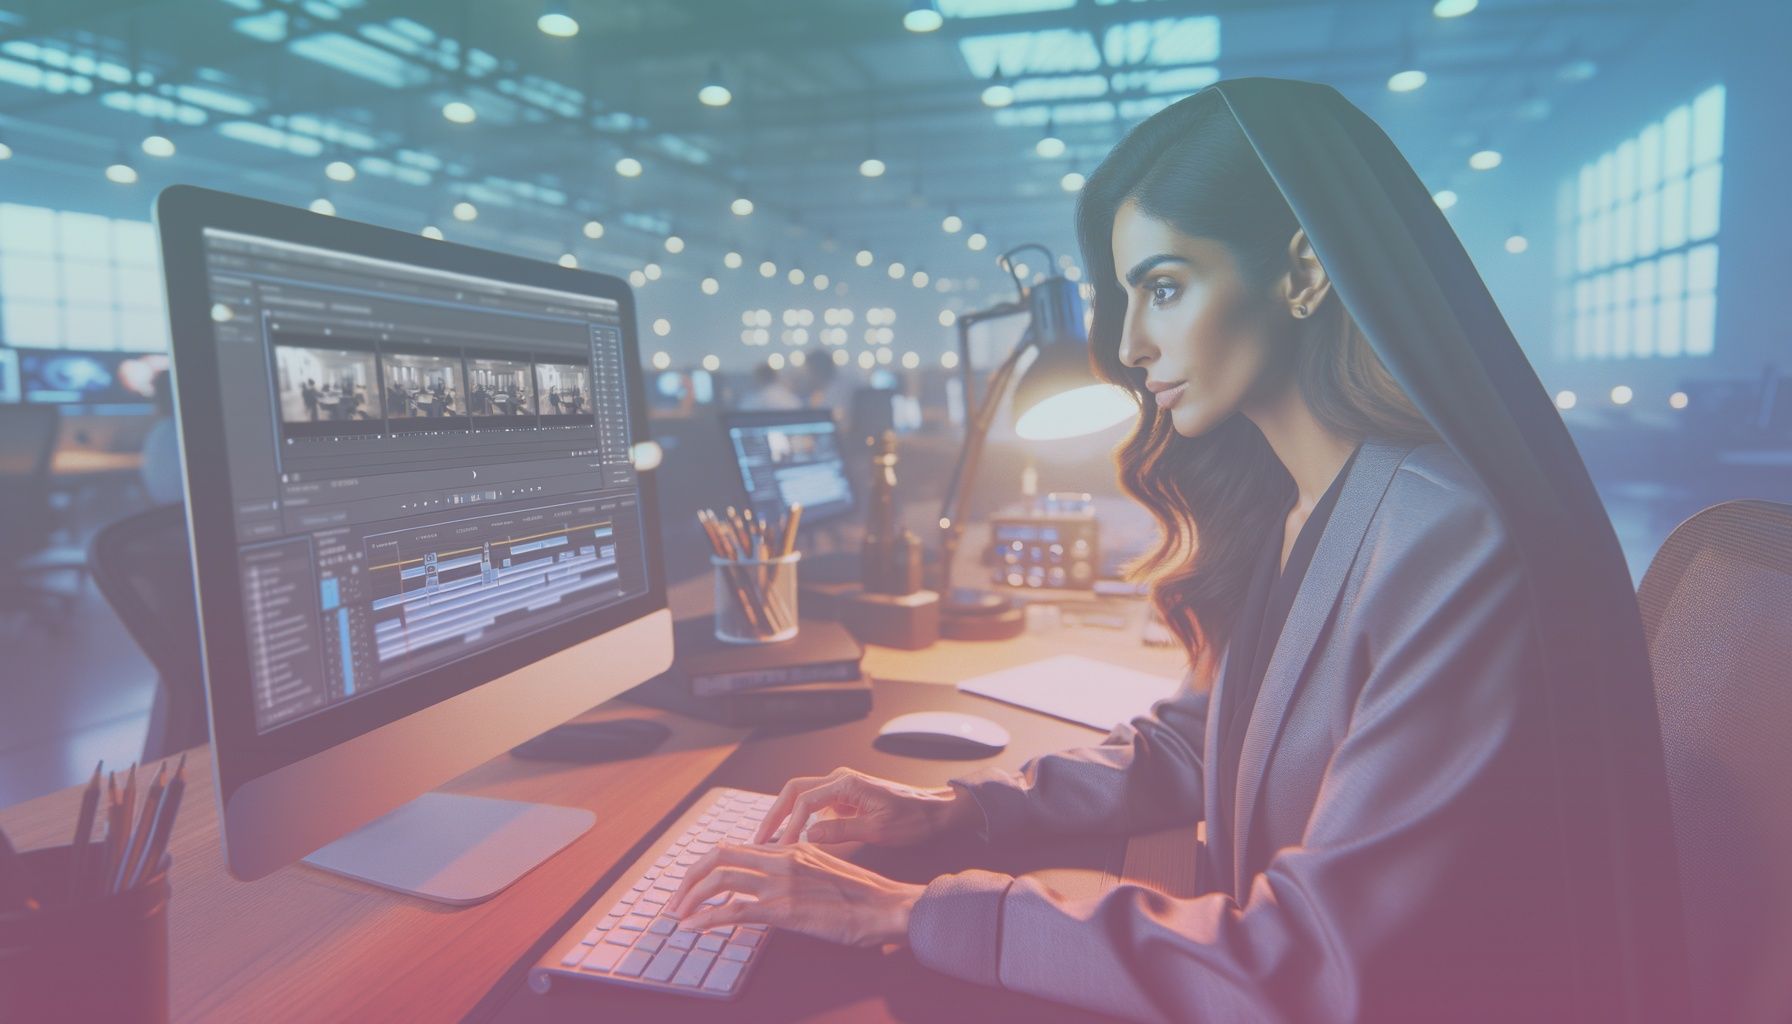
[[305, 945]]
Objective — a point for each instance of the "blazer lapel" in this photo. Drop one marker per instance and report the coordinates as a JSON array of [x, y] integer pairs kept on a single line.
[[1369, 477]]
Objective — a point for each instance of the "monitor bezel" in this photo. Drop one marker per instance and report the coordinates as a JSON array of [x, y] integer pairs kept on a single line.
[[243, 754], [791, 417]]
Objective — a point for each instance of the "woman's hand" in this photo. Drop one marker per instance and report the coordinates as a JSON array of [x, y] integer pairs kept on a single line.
[[865, 809], [799, 888]]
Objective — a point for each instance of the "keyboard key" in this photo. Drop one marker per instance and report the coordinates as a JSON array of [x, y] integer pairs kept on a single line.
[[628, 898], [685, 860], [592, 937], [604, 924], [661, 926], [690, 975], [682, 939], [603, 958], [573, 956], [636, 922], [663, 965], [620, 909], [665, 861], [710, 837], [723, 930], [699, 847], [717, 900], [642, 884], [723, 976], [622, 938], [653, 898], [674, 872], [736, 951], [651, 873], [650, 943], [746, 937], [668, 884], [634, 963], [711, 942]]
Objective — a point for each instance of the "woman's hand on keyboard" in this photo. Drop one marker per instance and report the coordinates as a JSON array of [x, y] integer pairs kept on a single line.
[[799, 888], [863, 809]]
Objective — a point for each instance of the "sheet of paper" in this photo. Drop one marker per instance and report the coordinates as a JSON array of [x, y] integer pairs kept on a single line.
[[1076, 688]]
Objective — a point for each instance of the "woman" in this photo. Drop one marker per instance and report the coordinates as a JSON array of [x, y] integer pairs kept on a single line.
[[1428, 767]]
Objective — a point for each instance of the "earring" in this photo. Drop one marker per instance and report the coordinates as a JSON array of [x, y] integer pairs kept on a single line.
[[1300, 311]]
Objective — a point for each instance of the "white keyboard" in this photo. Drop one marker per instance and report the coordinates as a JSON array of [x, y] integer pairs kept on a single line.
[[624, 938]]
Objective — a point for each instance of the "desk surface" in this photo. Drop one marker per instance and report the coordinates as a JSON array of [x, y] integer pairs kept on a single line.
[[303, 944]]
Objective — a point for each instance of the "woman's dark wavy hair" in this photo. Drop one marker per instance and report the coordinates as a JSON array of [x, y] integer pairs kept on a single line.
[[1217, 497]]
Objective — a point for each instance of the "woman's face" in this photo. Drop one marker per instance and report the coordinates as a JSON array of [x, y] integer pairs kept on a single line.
[[1209, 344]]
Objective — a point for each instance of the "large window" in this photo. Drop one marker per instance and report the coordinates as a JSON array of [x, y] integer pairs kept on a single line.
[[76, 280], [1637, 252]]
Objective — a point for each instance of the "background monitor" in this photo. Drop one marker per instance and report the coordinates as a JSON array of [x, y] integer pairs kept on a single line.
[[77, 377], [396, 585], [786, 457], [9, 375]]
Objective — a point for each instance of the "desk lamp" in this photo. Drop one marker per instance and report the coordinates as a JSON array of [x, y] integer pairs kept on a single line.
[[1058, 396]]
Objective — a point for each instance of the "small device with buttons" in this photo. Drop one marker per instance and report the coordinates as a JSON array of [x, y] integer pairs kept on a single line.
[[1057, 546]]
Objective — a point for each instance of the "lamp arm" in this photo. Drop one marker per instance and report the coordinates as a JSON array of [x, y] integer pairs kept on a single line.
[[958, 489]]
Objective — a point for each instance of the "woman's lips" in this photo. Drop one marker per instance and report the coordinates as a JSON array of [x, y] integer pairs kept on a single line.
[[1170, 396]]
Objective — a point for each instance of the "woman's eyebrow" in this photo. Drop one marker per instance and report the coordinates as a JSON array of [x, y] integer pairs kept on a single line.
[[1147, 265]]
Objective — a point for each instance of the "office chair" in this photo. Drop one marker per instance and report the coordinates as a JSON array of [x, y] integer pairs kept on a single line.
[[27, 446], [141, 564], [1717, 610]]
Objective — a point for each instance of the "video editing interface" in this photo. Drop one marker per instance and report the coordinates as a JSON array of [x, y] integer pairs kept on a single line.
[[422, 465], [789, 463]]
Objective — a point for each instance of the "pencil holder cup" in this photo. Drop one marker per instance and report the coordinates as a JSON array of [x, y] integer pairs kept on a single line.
[[99, 958], [756, 599]]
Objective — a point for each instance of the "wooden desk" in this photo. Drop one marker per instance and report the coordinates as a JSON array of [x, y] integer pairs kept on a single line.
[[305, 945], [86, 462]]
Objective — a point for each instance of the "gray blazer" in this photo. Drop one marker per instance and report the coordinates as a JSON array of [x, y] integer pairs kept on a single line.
[[1391, 857]]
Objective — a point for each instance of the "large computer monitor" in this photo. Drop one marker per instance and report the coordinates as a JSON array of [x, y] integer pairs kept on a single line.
[[81, 377], [790, 457], [419, 537]]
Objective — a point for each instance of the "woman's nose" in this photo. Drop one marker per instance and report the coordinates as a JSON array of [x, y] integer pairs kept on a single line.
[[1135, 350]]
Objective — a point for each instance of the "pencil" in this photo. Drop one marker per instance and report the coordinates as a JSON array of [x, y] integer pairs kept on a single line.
[[161, 827], [90, 802], [15, 891], [719, 546], [114, 830], [140, 829]]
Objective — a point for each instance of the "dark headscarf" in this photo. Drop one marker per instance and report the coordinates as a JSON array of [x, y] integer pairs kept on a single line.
[[1408, 283]]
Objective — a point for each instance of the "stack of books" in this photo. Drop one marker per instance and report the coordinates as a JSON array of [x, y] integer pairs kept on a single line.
[[811, 679]]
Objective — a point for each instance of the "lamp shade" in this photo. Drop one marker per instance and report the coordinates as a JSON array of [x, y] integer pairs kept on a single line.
[[1059, 395]]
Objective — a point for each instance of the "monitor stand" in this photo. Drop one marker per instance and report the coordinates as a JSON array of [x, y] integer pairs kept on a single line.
[[454, 848]]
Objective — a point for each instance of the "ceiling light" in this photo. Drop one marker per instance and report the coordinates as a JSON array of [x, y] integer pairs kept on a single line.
[[948, 359], [976, 241], [821, 282], [714, 95], [158, 146], [636, 278], [864, 258], [1444, 199], [459, 112], [731, 260], [464, 210], [1565, 400], [1677, 400], [557, 23], [922, 16], [741, 206], [1517, 244], [652, 270], [431, 231], [628, 167], [884, 356], [569, 261], [948, 318], [5, 151], [661, 360], [897, 271], [1621, 395], [1484, 160], [710, 286], [711, 363], [867, 360], [1049, 145], [1071, 182], [919, 280], [1406, 81], [323, 206], [998, 93], [871, 167], [953, 224], [796, 276], [768, 269], [335, 170], [775, 360], [674, 244], [910, 360], [1452, 8], [841, 357], [662, 327], [594, 229], [121, 173]]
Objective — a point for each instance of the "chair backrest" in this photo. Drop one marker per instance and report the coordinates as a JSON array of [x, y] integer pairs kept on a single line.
[[27, 445], [142, 566], [1717, 608]]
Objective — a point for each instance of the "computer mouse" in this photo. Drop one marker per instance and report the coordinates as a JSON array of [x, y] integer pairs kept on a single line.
[[941, 734]]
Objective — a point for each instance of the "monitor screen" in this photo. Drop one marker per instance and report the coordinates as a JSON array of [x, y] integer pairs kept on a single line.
[[423, 466], [787, 458], [71, 377], [9, 375]]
